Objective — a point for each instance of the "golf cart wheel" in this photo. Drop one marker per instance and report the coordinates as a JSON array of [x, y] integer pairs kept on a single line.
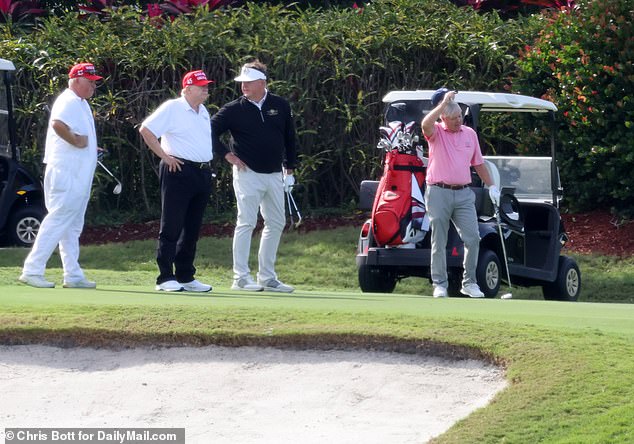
[[376, 280], [24, 226], [489, 273], [568, 284]]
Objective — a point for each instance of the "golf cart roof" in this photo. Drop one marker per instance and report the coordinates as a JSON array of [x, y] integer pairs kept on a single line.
[[6, 65], [488, 101]]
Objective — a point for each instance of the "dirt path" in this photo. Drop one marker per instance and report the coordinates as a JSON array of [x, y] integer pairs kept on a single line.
[[244, 395]]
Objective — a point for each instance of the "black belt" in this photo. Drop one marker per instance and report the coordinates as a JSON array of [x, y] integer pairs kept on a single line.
[[449, 187], [199, 165]]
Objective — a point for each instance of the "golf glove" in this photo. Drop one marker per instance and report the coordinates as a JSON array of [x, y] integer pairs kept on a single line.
[[494, 194], [289, 181]]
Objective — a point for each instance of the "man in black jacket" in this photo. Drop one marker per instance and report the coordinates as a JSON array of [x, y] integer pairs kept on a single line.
[[263, 157]]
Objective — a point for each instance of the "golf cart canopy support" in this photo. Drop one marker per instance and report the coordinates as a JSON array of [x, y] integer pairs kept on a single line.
[[6, 71]]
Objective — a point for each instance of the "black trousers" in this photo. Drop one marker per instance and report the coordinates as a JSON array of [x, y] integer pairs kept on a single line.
[[184, 197]]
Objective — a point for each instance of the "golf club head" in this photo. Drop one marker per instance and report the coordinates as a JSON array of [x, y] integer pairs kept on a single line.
[[385, 131], [391, 132], [296, 223], [118, 187], [397, 140], [409, 127], [290, 210], [292, 206], [405, 140], [384, 145]]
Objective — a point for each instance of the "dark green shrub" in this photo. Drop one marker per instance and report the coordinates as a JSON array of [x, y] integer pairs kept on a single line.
[[582, 61], [334, 65]]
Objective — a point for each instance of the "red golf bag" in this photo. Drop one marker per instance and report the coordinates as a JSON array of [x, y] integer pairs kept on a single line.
[[394, 207]]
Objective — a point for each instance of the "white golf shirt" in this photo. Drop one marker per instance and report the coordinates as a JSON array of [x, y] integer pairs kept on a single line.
[[67, 183], [75, 112], [183, 132]]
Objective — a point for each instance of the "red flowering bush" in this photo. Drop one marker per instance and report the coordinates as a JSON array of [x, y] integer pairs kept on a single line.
[[582, 61], [18, 10], [28, 10], [514, 8]]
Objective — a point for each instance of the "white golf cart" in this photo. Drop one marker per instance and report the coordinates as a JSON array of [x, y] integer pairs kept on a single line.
[[21, 197], [531, 226]]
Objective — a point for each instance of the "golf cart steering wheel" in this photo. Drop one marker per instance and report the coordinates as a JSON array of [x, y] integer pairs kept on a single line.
[[511, 211]]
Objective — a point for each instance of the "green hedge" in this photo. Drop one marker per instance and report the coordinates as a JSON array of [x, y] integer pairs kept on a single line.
[[334, 66], [582, 61]]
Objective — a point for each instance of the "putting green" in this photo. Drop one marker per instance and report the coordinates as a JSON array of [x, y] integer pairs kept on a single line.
[[600, 317]]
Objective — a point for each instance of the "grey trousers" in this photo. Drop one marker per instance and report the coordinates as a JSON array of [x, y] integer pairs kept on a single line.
[[263, 192], [458, 206]]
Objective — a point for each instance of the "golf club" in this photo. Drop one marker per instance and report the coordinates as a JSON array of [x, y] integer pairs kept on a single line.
[[292, 206], [508, 295], [117, 189]]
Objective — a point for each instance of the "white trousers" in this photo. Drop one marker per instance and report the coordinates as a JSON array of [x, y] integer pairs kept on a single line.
[[62, 225], [263, 192]]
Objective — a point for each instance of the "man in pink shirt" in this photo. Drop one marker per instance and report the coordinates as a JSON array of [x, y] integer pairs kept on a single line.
[[453, 149]]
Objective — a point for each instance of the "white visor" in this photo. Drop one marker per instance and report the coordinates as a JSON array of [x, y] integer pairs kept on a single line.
[[249, 75]]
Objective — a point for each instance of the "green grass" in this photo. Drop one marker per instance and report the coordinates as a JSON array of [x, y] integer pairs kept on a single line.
[[570, 365], [322, 260]]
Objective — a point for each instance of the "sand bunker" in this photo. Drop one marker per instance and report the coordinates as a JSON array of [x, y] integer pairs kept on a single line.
[[244, 395]]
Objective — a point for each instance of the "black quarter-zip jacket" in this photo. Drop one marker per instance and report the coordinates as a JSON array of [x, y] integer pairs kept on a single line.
[[263, 139]]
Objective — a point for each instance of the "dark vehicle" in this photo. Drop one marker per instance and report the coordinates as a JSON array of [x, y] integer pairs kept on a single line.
[[530, 222], [21, 197]]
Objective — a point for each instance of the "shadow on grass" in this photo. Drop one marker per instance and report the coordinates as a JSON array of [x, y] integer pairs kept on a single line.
[[237, 295]]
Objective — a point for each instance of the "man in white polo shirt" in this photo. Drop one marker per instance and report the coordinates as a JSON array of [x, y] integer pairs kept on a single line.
[[184, 130], [70, 155]]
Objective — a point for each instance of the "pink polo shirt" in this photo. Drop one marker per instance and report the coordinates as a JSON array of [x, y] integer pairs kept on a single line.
[[451, 154]]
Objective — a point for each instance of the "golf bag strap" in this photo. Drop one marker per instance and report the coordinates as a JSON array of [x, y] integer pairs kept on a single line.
[[413, 169]]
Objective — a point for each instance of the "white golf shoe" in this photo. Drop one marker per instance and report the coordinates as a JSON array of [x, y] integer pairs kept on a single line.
[[36, 281], [246, 283], [275, 285], [84, 283], [472, 290], [195, 286], [440, 292], [169, 286]]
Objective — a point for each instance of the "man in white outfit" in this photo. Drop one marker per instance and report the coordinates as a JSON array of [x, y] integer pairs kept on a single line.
[[71, 157]]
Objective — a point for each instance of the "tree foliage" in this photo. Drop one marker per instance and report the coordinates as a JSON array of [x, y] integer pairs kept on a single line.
[[334, 66], [582, 61]]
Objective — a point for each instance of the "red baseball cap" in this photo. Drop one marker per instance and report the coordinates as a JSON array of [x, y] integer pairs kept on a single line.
[[86, 70], [197, 78]]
